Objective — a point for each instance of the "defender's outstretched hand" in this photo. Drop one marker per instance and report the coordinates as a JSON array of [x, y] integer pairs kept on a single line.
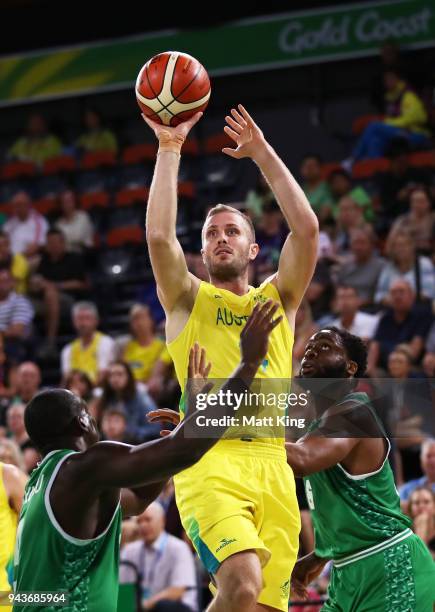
[[245, 132], [164, 415], [181, 130], [254, 339]]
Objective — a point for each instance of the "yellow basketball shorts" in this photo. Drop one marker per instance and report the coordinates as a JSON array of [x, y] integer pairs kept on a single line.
[[242, 496]]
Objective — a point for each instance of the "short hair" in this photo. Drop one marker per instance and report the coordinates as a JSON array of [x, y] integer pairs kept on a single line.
[[90, 306], [48, 415], [220, 208], [138, 308], [425, 444], [315, 156], [54, 231], [343, 286], [355, 348], [339, 172]]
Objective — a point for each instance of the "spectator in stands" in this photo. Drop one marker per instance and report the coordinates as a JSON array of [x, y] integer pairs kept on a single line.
[[350, 217], [121, 391], [96, 137], [165, 563], [28, 381], [38, 144], [350, 317], [16, 315], [26, 228], [79, 383], [6, 389], [16, 262], [304, 329], [403, 323], [429, 358], [422, 513], [403, 263], [395, 186], [427, 462], [114, 427], [92, 351], [364, 267], [316, 189], [419, 222], [400, 363], [320, 292], [257, 198], [340, 185], [11, 453], [143, 350], [15, 424], [60, 279], [270, 236], [405, 118], [75, 224], [390, 58]]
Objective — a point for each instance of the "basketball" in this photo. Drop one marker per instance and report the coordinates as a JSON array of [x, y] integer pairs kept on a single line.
[[171, 87]]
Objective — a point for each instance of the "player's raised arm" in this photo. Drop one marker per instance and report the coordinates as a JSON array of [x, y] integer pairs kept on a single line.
[[298, 256], [167, 258]]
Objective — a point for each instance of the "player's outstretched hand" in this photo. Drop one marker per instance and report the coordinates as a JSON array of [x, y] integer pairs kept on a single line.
[[197, 372], [181, 129], [254, 339], [164, 415], [245, 132]]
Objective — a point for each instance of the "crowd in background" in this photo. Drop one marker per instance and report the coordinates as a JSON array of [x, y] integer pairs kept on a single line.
[[375, 276]]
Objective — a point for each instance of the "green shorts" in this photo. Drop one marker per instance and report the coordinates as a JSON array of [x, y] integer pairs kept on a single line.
[[398, 579]]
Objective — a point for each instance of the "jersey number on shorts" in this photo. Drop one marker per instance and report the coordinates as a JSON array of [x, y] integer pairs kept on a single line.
[[309, 494]]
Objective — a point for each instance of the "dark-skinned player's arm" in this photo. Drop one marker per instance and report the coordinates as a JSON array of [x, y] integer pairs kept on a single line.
[[341, 428], [110, 465], [167, 258], [299, 253]]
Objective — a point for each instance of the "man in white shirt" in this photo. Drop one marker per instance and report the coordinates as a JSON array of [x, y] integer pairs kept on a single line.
[[350, 318], [164, 563], [92, 351], [27, 228]]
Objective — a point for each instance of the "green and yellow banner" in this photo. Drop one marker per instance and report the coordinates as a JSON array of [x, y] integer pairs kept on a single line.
[[250, 45]]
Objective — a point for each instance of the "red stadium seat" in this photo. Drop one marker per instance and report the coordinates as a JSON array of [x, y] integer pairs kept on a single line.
[[6, 208], [97, 159], [95, 199], [131, 234], [17, 169], [137, 153], [422, 159], [216, 142], [187, 189], [45, 206], [128, 197], [63, 163], [360, 123], [368, 167], [328, 168]]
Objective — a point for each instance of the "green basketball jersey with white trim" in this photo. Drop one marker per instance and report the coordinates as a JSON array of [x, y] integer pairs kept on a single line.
[[48, 559], [354, 513]]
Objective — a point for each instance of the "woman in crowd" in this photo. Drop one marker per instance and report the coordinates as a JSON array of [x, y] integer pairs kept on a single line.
[[121, 391], [419, 222], [422, 513], [75, 224]]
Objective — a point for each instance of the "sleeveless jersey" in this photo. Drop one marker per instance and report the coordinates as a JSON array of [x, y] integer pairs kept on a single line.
[[48, 559], [86, 358], [216, 321], [8, 527], [355, 515]]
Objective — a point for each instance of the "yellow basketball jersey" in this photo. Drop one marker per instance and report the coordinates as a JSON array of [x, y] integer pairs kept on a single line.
[[216, 321], [8, 528], [86, 358], [142, 359]]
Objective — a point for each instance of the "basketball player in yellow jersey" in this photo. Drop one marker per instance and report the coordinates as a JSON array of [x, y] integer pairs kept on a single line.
[[12, 483], [238, 504]]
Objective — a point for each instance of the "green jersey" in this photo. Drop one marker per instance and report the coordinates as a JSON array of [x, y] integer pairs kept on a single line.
[[48, 559], [354, 516]]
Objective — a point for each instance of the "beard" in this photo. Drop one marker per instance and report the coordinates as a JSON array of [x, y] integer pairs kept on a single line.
[[227, 271]]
